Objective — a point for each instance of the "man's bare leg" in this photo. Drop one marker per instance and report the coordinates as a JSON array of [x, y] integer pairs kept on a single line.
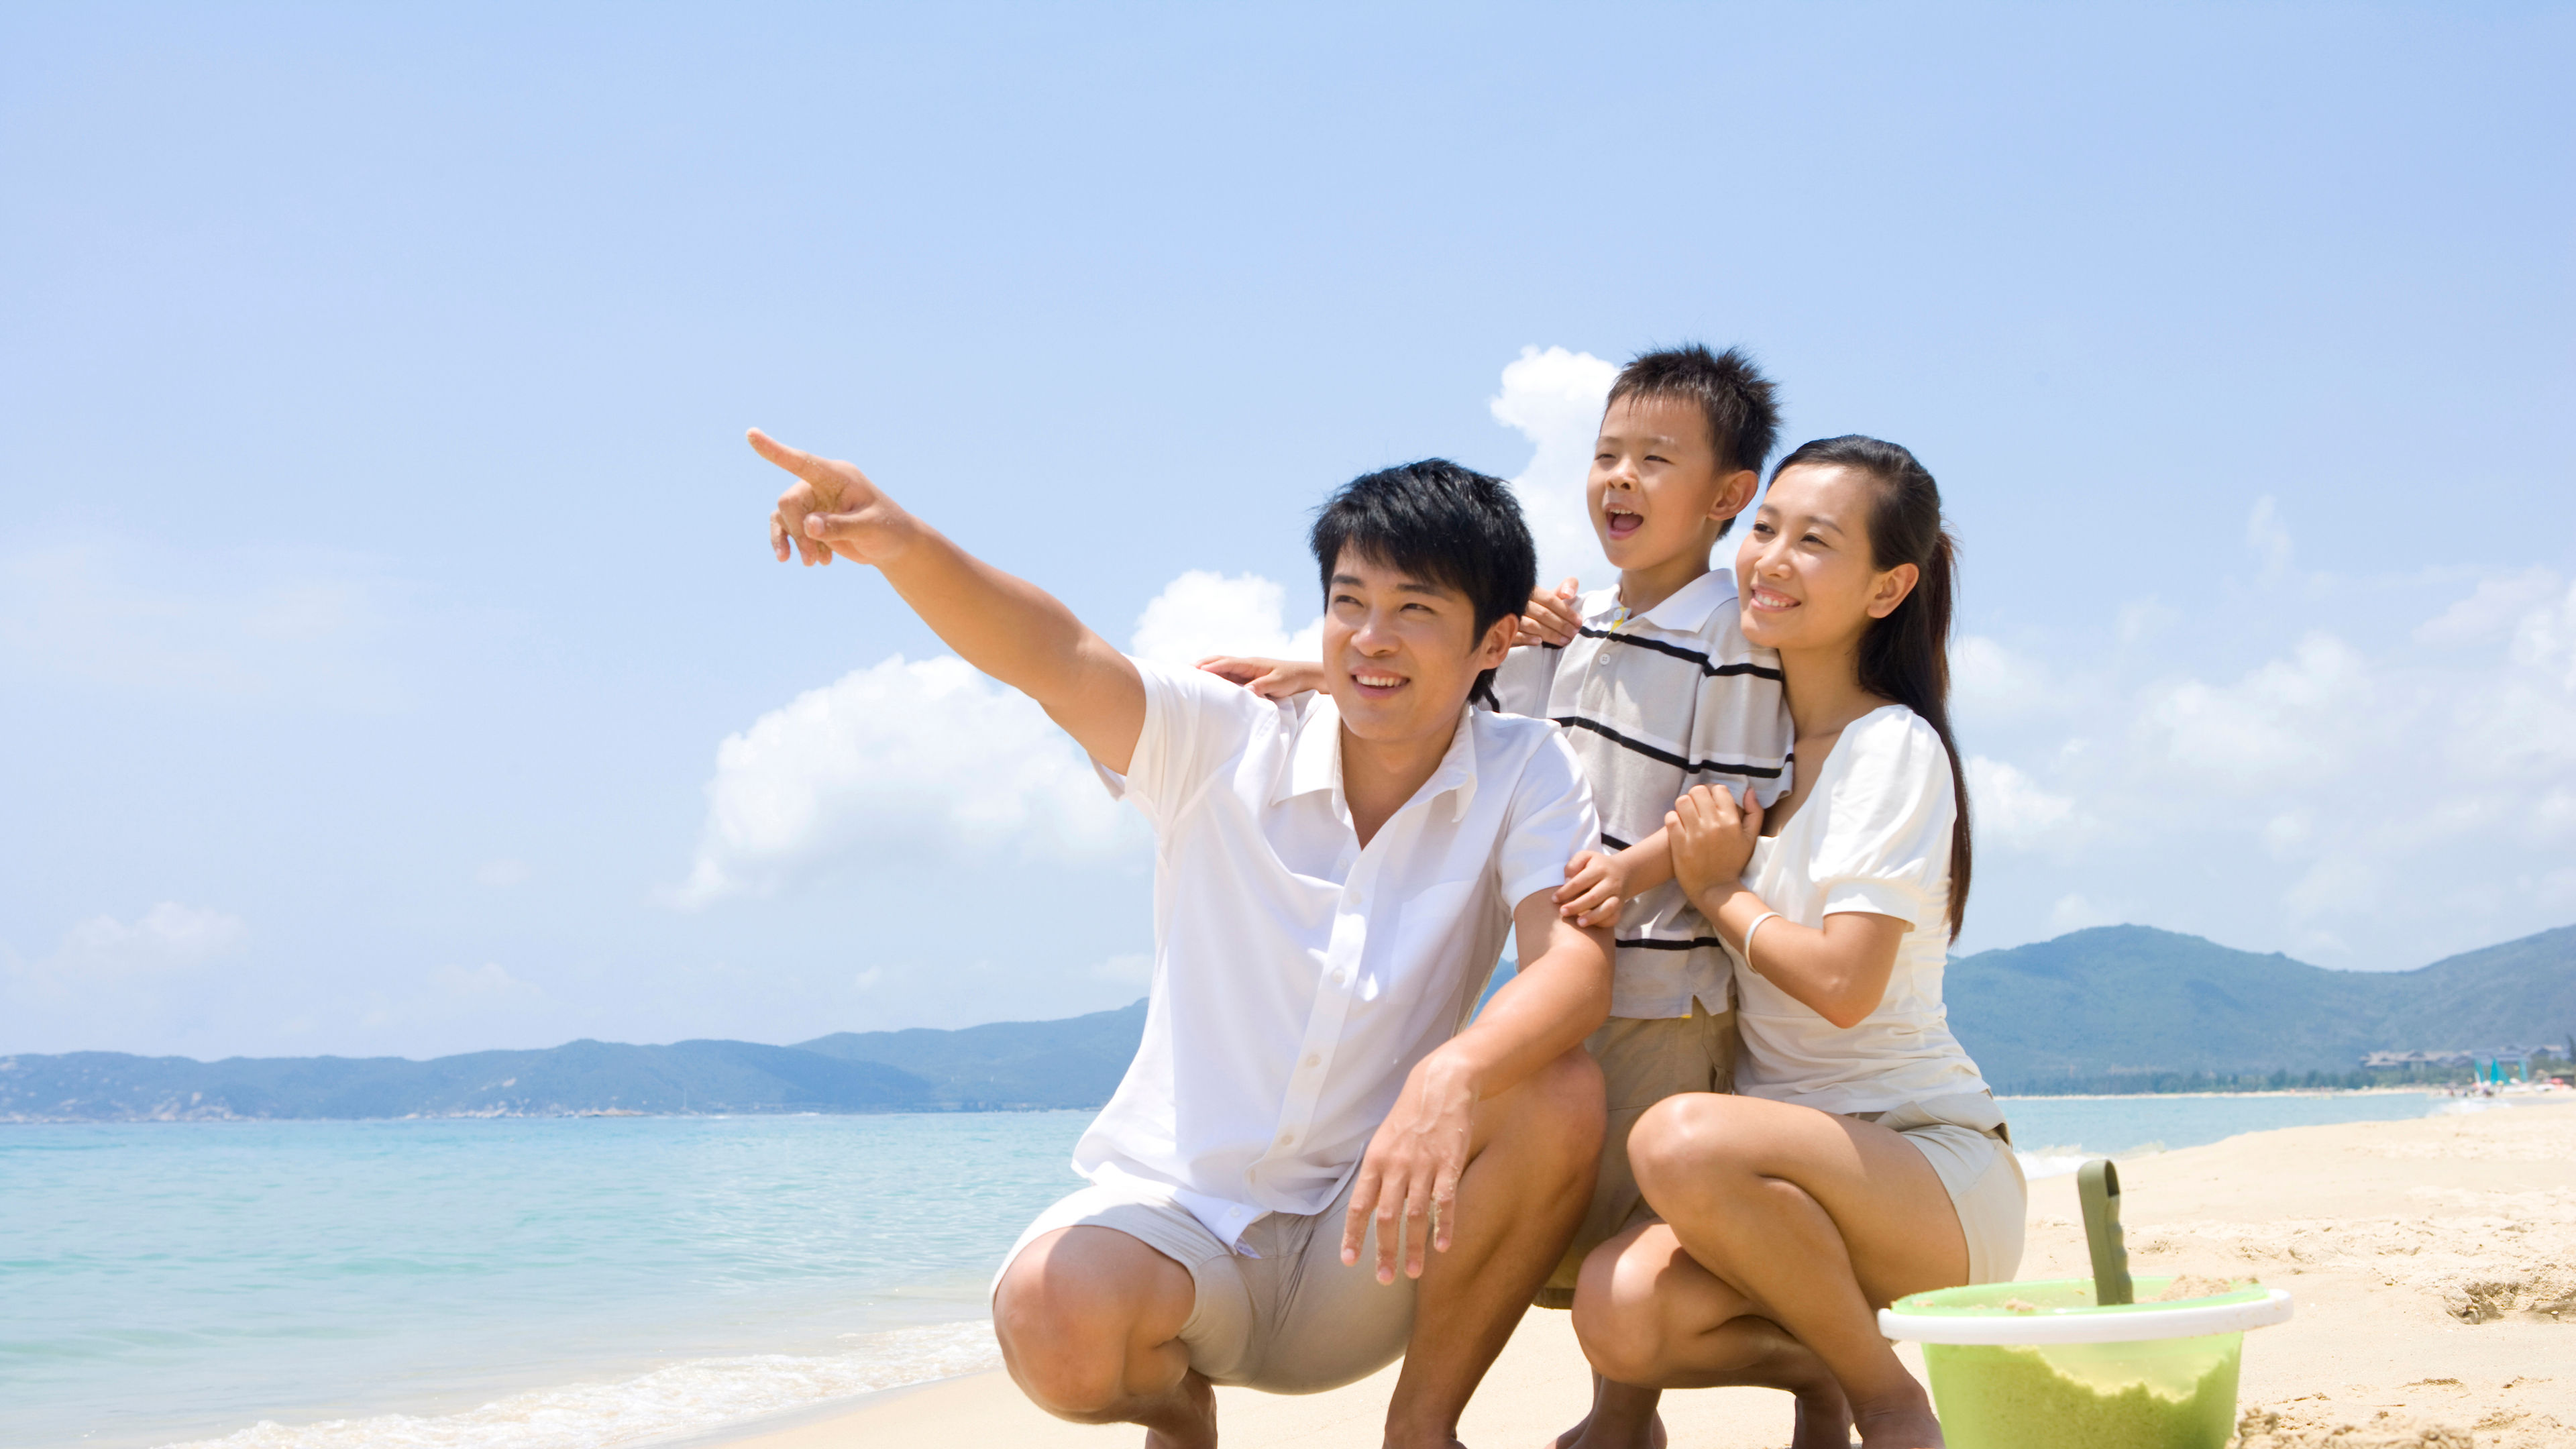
[[1089, 1321], [1527, 1183], [1647, 1313]]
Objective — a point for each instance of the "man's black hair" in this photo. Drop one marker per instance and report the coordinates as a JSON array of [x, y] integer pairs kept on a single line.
[[1743, 416], [1440, 523]]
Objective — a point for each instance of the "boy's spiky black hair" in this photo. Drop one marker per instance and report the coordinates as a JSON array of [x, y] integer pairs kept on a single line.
[[1729, 390], [1441, 522]]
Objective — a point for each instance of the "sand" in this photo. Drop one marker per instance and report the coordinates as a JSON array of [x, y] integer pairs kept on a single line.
[[2434, 1263]]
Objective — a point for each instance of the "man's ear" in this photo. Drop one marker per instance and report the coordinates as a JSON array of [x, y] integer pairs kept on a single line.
[[1734, 494], [1891, 589], [1496, 646]]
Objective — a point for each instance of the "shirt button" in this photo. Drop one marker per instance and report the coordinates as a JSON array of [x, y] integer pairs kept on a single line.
[[1341, 976], [1287, 1137], [1314, 1059]]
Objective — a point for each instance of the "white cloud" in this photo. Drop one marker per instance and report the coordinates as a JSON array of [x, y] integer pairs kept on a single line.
[[1202, 613], [304, 629], [901, 759], [1554, 397], [110, 981], [2009, 807], [1990, 681], [2374, 804], [2270, 538]]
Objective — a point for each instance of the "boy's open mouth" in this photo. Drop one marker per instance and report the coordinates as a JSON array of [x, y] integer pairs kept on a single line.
[[1622, 522]]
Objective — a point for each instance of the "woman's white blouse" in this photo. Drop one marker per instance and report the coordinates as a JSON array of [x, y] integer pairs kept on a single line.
[[1872, 836]]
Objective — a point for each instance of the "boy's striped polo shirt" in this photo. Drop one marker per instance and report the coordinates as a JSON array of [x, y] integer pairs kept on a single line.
[[1652, 704]]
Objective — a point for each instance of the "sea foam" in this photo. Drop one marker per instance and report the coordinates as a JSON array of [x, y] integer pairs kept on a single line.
[[677, 1399]]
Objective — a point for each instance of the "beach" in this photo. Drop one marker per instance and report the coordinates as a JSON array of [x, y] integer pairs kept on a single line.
[[2433, 1262]]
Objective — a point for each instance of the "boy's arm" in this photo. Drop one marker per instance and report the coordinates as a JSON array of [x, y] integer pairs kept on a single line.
[[1007, 627], [1598, 885], [1560, 996]]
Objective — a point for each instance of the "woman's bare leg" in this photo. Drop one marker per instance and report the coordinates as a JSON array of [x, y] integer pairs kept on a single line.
[[1649, 1315], [1814, 1221]]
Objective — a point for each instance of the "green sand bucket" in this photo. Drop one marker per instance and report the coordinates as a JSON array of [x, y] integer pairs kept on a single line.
[[2056, 1369]]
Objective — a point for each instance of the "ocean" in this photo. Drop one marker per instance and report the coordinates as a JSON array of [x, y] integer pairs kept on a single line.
[[579, 1283]]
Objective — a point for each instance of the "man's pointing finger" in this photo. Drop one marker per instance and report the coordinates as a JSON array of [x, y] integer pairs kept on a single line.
[[795, 460]]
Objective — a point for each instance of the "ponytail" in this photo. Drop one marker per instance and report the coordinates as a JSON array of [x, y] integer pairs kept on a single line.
[[1906, 656]]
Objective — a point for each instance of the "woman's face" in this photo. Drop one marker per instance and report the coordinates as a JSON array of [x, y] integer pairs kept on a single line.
[[1805, 571]]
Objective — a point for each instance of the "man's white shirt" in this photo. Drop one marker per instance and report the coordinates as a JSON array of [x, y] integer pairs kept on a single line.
[[1298, 977]]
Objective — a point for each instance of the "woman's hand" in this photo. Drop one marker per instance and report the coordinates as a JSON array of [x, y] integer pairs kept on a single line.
[[1712, 838], [1596, 886], [1269, 678]]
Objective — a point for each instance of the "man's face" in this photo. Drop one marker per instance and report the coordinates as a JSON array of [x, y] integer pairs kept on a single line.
[[1655, 488], [1400, 653]]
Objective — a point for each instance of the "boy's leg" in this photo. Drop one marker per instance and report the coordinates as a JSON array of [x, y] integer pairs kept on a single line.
[[1089, 1320], [1528, 1179], [1643, 1061]]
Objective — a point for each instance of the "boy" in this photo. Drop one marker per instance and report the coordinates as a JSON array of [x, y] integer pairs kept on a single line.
[[1333, 882], [1657, 690]]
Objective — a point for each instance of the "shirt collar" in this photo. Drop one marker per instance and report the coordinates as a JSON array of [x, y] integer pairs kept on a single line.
[[1686, 612], [1315, 760]]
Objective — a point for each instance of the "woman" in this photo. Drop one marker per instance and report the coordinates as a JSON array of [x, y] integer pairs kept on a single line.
[[1863, 1157]]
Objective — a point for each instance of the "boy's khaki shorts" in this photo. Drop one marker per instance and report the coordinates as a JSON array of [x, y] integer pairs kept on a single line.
[[1642, 1062], [1293, 1320]]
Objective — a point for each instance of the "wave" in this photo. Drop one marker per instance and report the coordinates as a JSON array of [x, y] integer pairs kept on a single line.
[[677, 1399]]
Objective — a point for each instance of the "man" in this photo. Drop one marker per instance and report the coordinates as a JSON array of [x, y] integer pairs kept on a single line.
[[1335, 875]]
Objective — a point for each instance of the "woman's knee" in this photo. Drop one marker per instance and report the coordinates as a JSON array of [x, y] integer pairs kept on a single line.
[[1621, 1331], [1690, 1143]]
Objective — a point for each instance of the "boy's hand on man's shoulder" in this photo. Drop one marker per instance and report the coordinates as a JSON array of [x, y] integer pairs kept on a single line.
[[830, 508], [1554, 618], [1269, 678]]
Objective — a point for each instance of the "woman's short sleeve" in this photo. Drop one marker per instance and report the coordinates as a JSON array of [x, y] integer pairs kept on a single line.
[[1885, 849]]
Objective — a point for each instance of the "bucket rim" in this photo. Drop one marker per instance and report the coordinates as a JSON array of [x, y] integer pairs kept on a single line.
[[2123, 1323]]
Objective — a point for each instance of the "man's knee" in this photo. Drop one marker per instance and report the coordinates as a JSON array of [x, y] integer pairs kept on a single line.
[[1068, 1312]]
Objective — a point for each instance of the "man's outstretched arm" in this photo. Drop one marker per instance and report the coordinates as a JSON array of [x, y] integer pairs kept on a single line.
[[1008, 627]]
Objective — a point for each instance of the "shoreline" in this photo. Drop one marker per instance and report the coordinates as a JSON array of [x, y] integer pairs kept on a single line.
[[2433, 1260]]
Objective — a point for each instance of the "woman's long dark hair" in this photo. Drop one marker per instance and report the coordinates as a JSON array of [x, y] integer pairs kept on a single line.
[[1906, 656]]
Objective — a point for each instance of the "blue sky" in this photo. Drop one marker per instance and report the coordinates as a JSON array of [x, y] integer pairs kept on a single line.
[[381, 571]]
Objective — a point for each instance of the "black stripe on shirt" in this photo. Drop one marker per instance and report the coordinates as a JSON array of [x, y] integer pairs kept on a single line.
[[1686, 766], [1650, 943], [1713, 671], [1614, 842]]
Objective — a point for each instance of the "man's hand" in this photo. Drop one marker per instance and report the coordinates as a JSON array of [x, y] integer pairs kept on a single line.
[[1712, 838], [1269, 678], [1552, 618], [831, 508], [1596, 886], [1409, 1176]]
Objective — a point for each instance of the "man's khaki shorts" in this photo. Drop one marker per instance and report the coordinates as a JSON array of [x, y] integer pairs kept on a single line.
[[1642, 1062], [1291, 1321]]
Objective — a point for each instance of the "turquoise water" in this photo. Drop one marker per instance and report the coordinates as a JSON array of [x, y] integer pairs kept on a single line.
[[174, 1281], [583, 1283]]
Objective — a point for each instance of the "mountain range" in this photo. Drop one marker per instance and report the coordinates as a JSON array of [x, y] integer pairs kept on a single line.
[[2117, 1008]]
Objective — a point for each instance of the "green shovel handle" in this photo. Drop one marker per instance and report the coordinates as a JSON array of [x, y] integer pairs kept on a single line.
[[2097, 1186]]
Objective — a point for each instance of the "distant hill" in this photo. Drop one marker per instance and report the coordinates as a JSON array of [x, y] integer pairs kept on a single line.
[[1075, 1062], [582, 1076], [2134, 1007], [2121, 1008]]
